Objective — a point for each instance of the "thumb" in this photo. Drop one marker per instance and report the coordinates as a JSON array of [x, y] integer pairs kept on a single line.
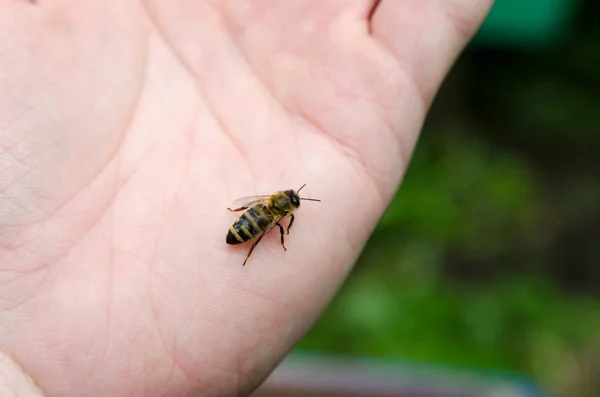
[[426, 36]]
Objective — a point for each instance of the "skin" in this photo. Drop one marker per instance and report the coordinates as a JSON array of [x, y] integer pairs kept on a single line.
[[128, 127]]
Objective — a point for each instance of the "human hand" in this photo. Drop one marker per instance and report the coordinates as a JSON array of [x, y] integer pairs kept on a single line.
[[127, 128]]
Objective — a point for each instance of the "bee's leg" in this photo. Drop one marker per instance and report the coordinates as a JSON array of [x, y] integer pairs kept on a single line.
[[281, 231], [237, 209], [252, 249], [290, 224]]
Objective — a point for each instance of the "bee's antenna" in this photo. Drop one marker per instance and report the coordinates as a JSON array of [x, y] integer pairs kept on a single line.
[[304, 198]]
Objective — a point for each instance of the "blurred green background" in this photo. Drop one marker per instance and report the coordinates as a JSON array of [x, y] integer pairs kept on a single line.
[[488, 257]]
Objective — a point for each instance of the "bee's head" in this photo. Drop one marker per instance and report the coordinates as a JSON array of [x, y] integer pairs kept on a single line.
[[295, 197]]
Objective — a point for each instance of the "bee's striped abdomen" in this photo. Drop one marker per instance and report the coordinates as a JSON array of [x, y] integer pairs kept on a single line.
[[250, 225]]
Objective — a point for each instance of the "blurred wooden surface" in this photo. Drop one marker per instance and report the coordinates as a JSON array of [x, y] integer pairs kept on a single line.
[[324, 376]]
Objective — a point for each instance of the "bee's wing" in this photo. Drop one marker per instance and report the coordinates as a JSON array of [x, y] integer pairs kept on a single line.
[[249, 201]]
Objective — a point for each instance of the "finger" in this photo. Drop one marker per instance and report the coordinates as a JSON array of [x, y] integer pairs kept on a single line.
[[426, 36]]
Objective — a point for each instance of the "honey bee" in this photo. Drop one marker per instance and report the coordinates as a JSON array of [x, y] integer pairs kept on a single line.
[[263, 213]]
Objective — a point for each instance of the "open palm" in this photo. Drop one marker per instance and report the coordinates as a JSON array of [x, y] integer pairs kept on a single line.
[[126, 130]]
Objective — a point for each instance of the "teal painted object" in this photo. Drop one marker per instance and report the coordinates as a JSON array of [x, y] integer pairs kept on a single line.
[[526, 24]]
